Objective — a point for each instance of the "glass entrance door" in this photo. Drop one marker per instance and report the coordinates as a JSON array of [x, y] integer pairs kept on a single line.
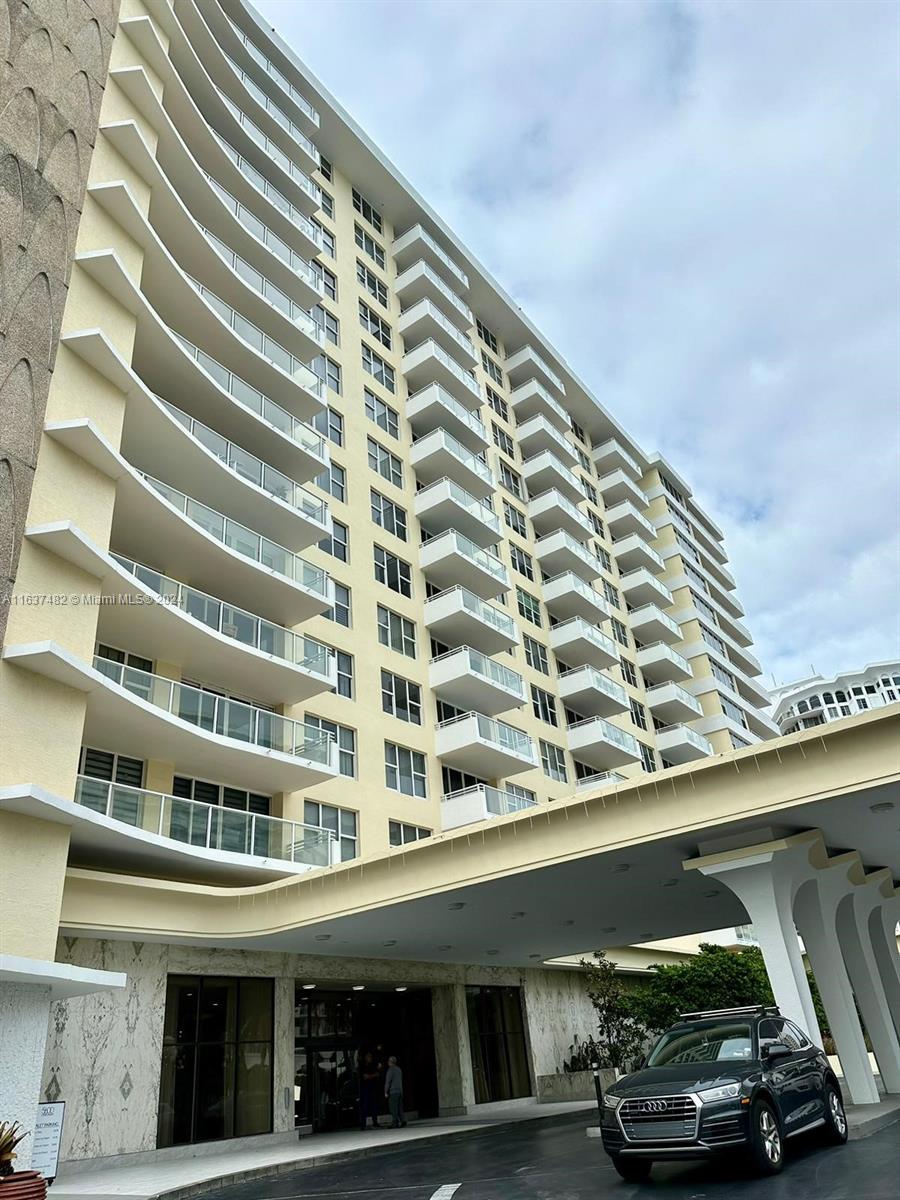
[[335, 1089], [497, 1040]]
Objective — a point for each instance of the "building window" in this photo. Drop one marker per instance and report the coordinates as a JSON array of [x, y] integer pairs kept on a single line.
[[393, 572], [399, 833], [329, 242], [367, 211], [368, 245], [732, 711], [579, 432], [536, 655], [492, 369], [396, 632], [611, 593], [528, 606], [329, 422], [382, 414], [497, 403], [339, 821], [583, 460], [328, 371], [648, 757], [344, 674], [712, 640], [338, 544], [503, 441], [722, 675], [333, 480], [325, 168], [388, 515], [380, 371], [603, 555], [486, 336], [629, 672], [340, 610], [373, 285], [514, 519], [114, 768], [521, 561], [543, 706], [553, 760], [387, 465], [345, 738], [329, 279], [620, 633], [737, 743], [327, 322], [404, 770], [589, 490], [375, 325], [510, 480], [401, 698], [638, 714]]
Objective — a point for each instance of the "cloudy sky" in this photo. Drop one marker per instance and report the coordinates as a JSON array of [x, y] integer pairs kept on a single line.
[[697, 203]]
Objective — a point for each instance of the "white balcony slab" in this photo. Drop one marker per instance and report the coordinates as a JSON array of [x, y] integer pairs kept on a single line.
[[459, 617], [671, 703], [559, 552], [438, 455], [526, 363], [531, 397], [420, 281], [433, 407], [429, 362], [623, 518], [545, 470], [681, 744], [641, 586], [633, 551], [417, 243], [424, 320], [445, 505], [611, 455], [450, 559], [472, 681], [660, 663], [651, 624], [484, 746], [602, 745], [569, 596], [620, 485], [591, 693], [537, 434], [551, 510], [482, 802], [577, 642]]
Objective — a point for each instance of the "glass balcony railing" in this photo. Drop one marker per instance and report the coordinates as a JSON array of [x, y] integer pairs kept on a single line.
[[599, 682], [217, 714], [666, 691], [614, 451], [244, 541], [251, 468], [534, 388], [422, 307], [253, 399], [555, 497], [435, 280], [574, 583], [416, 231], [447, 360], [479, 509], [469, 419], [255, 279], [274, 111], [268, 237], [546, 458], [655, 650], [529, 355], [571, 544], [232, 622], [259, 181], [487, 668], [441, 439], [610, 733], [489, 729], [481, 609], [641, 575], [272, 71], [578, 627], [254, 336], [626, 508], [497, 801], [683, 733], [463, 545], [273, 151], [207, 826], [598, 780], [654, 613]]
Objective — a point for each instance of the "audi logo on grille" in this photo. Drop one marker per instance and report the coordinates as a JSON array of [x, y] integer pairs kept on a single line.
[[654, 1106]]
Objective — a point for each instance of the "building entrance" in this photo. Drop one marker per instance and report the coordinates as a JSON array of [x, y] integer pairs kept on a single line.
[[497, 1039], [333, 1031]]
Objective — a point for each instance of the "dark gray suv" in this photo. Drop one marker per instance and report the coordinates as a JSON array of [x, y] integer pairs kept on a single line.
[[735, 1079]]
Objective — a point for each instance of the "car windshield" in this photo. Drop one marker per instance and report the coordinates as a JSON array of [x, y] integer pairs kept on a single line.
[[725, 1041]]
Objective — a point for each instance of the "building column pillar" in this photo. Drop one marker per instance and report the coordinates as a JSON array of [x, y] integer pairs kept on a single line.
[[883, 931], [815, 909], [453, 1055], [862, 967]]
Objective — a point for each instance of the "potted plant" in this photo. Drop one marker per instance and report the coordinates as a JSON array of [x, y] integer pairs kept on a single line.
[[17, 1185]]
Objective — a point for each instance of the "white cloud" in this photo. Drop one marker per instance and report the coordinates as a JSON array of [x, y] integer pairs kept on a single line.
[[697, 203]]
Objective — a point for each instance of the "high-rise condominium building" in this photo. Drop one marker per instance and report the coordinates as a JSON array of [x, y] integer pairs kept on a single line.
[[817, 699], [316, 546]]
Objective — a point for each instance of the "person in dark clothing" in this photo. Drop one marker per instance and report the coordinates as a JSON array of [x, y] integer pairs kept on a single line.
[[393, 1090], [369, 1091]]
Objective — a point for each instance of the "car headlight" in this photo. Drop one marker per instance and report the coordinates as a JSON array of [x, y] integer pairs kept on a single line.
[[727, 1091], [612, 1102]]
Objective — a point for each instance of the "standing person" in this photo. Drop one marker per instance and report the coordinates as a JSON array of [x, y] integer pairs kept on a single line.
[[393, 1090], [369, 1091]]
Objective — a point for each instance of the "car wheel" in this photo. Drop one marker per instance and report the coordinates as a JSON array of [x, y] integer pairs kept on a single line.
[[632, 1170], [836, 1125], [766, 1143]]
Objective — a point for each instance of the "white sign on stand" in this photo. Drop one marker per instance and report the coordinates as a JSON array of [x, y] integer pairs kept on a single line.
[[46, 1138]]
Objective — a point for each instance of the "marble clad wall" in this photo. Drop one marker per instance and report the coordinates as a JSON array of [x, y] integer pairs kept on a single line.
[[104, 1051]]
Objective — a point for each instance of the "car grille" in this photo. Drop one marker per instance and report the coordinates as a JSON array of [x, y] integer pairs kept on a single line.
[[658, 1118]]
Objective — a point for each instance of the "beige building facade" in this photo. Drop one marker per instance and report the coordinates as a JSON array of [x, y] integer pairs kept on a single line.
[[321, 554]]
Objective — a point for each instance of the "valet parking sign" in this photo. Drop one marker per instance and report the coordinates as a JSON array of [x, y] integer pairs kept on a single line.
[[47, 1135]]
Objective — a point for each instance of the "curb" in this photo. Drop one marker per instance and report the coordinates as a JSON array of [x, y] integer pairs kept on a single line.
[[874, 1124], [274, 1170]]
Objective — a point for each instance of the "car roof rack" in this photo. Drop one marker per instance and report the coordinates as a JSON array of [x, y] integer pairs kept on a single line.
[[748, 1010]]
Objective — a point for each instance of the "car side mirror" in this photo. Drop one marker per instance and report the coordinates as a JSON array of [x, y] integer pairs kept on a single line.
[[776, 1050]]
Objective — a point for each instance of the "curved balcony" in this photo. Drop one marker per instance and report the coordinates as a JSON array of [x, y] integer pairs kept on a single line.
[[419, 281], [484, 746], [434, 408], [580, 643], [438, 455], [680, 744], [526, 363], [559, 552], [602, 745], [445, 505], [532, 398], [482, 802], [174, 836], [470, 680], [640, 586], [429, 362], [568, 595], [650, 624], [544, 470], [459, 617], [451, 558], [537, 434], [585, 690], [221, 474], [415, 244], [148, 716], [167, 620], [551, 510], [424, 320]]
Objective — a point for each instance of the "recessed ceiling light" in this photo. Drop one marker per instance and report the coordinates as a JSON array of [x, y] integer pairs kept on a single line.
[[882, 806], [608, 929], [670, 883], [516, 916], [359, 987], [535, 956], [400, 989], [445, 947], [620, 867], [308, 987], [457, 906], [709, 895], [323, 937], [492, 951], [568, 922], [389, 943]]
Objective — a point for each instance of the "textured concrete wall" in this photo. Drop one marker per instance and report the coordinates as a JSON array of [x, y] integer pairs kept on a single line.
[[54, 56], [23, 1020]]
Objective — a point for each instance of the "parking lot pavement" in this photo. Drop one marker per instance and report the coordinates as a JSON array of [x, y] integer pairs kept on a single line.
[[558, 1162]]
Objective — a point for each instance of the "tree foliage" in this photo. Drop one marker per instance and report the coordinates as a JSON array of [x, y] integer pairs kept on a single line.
[[621, 1033]]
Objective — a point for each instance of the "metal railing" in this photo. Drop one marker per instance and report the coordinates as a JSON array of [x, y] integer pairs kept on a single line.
[[584, 629], [599, 681], [273, 151], [677, 692], [517, 395], [422, 234], [267, 236], [656, 613], [464, 415], [487, 668], [639, 573], [479, 509], [598, 780], [272, 71], [610, 733], [497, 801], [244, 541], [277, 114], [249, 467], [572, 544], [672, 655], [255, 279], [455, 368], [217, 714], [457, 449], [435, 313], [259, 181], [236, 623], [489, 729], [687, 734], [577, 584], [442, 287], [479, 608], [207, 826], [465, 546]]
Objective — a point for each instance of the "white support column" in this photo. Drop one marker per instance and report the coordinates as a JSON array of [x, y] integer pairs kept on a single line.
[[815, 909], [862, 967], [882, 929]]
